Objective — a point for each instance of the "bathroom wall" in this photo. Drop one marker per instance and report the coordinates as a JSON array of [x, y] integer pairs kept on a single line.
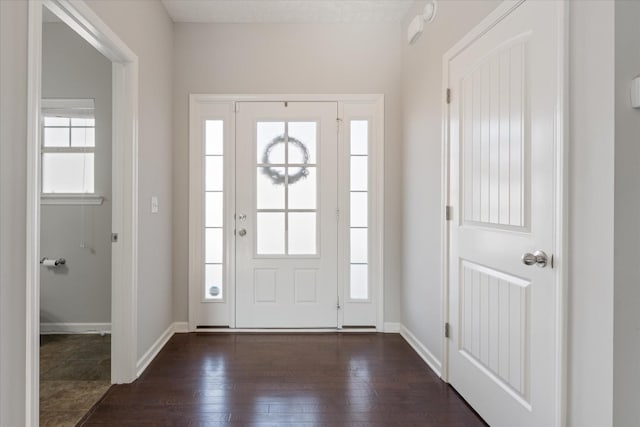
[[78, 296]]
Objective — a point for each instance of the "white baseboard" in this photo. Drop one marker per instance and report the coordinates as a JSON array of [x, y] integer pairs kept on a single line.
[[181, 327], [422, 351], [391, 327], [51, 328], [154, 349]]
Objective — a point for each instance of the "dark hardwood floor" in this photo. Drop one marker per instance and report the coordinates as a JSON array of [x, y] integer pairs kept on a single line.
[[334, 379]]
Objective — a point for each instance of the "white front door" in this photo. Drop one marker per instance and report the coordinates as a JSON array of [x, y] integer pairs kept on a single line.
[[286, 215], [503, 314]]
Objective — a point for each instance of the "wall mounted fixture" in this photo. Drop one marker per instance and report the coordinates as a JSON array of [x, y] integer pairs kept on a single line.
[[635, 92], [49, 262], [417, 24]]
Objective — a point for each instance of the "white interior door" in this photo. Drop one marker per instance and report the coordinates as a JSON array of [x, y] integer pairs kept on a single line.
[[503, 138], [286, 215]]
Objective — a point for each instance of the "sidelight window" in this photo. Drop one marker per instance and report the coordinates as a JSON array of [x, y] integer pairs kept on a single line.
[[359, 207], [214, 209]]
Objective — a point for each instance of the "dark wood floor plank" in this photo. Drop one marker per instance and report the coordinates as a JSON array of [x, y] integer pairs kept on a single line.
[[328, 379]]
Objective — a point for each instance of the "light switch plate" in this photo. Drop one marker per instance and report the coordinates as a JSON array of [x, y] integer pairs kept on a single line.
[[154, 204], [635, 92]]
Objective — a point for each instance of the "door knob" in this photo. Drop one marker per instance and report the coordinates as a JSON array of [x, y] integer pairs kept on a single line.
[[538, 258], [242, 232]]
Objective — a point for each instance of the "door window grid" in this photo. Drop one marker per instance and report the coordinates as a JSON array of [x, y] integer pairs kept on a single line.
[[286, 192], [68, 147], [214, 210], [359, 212]]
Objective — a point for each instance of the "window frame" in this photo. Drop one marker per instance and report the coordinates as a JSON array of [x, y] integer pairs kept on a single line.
[[363, 312], [286, 210], [70, 109], [206, 297], [367, 120], [358, 106]]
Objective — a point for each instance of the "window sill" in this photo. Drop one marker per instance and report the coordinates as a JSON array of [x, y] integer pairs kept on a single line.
[[71, 199]]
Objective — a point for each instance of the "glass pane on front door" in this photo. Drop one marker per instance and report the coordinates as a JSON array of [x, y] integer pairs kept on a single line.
[[286, 188]]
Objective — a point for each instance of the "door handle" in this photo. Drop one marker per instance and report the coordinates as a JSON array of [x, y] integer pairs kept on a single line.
[[242, 232], [538, 258]]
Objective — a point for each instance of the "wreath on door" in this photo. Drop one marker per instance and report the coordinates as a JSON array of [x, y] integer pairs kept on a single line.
[[276, 176]]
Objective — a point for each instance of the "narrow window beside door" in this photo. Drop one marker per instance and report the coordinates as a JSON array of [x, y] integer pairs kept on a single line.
[[359, 221], [214, 208]]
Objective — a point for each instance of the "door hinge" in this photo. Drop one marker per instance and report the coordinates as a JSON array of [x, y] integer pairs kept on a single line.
[[446, 330], [448, 96], [337, 213], [448, 213], [338, 304], [114, 237], [236, 107]]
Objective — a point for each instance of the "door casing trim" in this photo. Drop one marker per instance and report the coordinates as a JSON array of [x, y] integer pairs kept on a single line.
[[78, 15], [378, 183], [561, 196]]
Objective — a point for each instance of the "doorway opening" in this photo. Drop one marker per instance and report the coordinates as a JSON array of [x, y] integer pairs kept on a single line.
[[504, 194], [75, 224], [286, 212], [51, 165]]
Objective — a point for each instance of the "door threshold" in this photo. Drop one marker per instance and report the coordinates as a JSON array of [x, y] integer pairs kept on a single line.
[[224, 329]]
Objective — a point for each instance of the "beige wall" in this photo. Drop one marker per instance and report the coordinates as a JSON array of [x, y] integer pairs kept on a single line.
[[591, 148], [152, 42], [146, 28], [627, 226], [13, 189], [591, 190], [361, 59], [422, 140], [277, 58], [79, 292]]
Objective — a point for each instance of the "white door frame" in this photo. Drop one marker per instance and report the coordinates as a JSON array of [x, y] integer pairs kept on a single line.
[[561, 196], [377, 190], [84, 21]]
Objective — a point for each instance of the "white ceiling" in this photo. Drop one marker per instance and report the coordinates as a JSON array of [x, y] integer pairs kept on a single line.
[[287, 11]]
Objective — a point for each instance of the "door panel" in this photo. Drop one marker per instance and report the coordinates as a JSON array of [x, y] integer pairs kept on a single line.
[[493, 324], [286, 222], [494, 144], [503, 314]]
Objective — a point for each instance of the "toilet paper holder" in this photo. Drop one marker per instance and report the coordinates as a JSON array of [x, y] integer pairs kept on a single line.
[[53, 262]]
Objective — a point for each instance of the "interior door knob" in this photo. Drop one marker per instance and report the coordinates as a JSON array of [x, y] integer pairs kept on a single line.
[[242, 232], [538, 258]]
